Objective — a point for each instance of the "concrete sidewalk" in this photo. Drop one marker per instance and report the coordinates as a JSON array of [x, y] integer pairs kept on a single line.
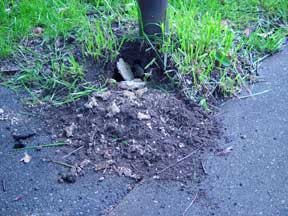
[[253, 179]]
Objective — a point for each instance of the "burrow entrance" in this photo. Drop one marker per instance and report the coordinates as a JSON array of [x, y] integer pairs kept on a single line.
[[143, 59]]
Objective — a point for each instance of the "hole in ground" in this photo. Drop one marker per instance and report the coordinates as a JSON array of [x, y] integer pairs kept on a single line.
[[143, 62]]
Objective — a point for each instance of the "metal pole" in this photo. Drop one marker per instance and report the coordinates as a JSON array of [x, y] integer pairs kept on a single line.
[[152, 14]]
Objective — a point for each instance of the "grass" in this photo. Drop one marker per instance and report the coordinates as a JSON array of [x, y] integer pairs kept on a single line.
[[210, 42]]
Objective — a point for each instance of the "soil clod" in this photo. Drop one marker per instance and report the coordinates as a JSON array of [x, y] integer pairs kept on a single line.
[[67, 178], [22, 135]]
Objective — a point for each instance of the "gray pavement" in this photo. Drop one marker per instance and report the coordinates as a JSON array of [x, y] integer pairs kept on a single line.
[[250, 181]]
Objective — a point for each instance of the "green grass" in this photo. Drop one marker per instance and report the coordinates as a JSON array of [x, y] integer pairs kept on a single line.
[[207, 42]]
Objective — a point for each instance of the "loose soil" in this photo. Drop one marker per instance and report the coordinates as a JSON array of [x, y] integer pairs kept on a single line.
[[135, 133]]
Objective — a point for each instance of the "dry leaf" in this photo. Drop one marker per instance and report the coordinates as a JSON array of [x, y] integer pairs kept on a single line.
[[26, 159], [225, 152]]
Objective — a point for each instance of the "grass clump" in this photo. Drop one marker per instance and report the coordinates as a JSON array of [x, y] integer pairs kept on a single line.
[[209, 44]]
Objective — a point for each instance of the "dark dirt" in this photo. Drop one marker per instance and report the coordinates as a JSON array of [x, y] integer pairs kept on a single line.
[[135, 133]]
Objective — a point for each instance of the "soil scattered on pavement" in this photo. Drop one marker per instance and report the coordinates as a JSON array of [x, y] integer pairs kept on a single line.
[[136, 133]]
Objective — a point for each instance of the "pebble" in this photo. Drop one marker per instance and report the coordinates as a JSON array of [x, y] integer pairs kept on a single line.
[[143, 116], [181, 145], [1, 111]]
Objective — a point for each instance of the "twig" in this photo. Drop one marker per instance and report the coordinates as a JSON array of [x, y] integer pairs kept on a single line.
[[9, 71], [57, 144], [189, 206], [59, 163], [246, 11], [203, 168], [3, 185], [67, 155], [179, 161], [256, 94], [262, 59]]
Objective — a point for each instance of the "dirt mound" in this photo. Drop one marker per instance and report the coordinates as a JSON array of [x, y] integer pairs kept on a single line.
[[136, 133]]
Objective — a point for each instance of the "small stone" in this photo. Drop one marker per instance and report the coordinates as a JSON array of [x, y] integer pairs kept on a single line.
[[143, 116], [26, 159], [1, 111], [101, 179], [149, 125], [80, 116], [181, 145]]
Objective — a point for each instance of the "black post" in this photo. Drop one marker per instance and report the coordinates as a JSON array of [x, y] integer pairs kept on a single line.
[[152, 16]]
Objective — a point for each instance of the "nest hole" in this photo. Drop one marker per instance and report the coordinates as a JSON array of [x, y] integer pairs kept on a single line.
[[143, 60]]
